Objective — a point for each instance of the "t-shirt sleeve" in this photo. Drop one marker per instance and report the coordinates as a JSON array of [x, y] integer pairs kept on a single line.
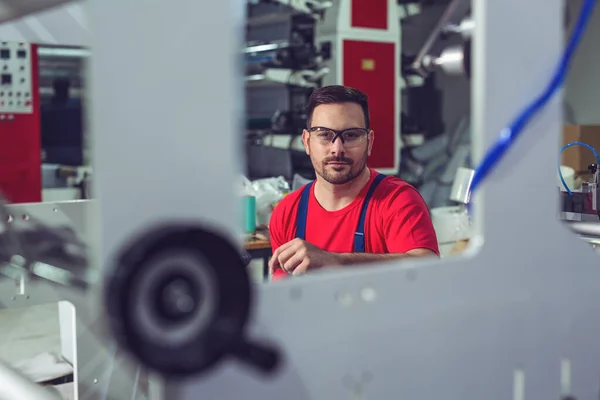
[[407, 223], [277, 226]]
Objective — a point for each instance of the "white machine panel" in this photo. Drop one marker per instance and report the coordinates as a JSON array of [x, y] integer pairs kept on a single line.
[[15, 78]]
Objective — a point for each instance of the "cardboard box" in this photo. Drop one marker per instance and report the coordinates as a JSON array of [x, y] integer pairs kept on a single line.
[[580, 157]]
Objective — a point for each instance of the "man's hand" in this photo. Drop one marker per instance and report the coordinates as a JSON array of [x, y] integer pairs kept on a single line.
[[297, 256]]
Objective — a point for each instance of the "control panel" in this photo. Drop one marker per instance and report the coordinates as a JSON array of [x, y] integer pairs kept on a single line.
[[16, 87]]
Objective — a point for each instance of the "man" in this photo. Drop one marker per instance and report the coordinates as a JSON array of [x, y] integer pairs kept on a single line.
[[61, 95], [351, 214]]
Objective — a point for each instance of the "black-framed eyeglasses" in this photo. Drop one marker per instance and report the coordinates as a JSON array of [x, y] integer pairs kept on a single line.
[[349, 137]]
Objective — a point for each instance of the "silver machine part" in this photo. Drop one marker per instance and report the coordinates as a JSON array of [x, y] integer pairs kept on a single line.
[[508, 316], [464, 28], [586, 229], [95, 374], [453, 20], [461, 186], [451, 61]]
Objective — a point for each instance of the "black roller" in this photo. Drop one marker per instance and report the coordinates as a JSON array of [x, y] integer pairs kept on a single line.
[[178, 300]]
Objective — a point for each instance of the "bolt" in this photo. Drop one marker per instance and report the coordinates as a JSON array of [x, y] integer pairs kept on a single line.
[[95, 381], [368, 294]]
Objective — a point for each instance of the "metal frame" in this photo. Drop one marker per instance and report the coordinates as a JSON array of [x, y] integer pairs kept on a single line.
[[518, 302], [99, 370], [514, 315]]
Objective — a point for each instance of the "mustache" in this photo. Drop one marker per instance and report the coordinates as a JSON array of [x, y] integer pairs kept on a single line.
[[338, 159]]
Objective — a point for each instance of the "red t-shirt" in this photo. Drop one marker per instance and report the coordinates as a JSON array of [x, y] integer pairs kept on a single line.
[[397, 221]]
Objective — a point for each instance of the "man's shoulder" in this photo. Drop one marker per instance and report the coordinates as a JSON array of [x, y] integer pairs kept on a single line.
[[288, 204], [284, 213], [291, 199], [394, 186], [395, 193]]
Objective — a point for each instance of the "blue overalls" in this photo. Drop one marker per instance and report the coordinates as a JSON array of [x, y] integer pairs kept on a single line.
[[359, 235]]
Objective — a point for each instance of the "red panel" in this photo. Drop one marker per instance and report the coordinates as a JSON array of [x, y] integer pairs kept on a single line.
[[369, 14], [20, 149], [369, 67]]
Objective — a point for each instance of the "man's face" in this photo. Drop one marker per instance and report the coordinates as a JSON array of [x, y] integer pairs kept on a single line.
[[338, 163]]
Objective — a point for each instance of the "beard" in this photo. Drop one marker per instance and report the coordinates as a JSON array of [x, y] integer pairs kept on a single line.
[[340, 174]]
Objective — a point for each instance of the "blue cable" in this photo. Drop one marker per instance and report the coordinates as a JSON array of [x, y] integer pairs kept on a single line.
[[562, 180], [510, 134]]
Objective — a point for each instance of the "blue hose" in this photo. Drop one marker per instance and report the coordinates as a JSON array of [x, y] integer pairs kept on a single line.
[[562, 180], [509, 134]]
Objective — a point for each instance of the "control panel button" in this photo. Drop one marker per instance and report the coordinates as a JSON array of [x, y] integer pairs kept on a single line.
[[15, 78]]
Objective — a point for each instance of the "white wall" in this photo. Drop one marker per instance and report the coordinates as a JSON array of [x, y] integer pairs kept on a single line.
[[582, 89]]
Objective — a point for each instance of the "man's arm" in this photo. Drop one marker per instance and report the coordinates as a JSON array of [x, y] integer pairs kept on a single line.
[[362, 258]]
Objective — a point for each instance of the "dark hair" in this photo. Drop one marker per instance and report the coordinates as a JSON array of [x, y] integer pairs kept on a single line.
[[336, 94]]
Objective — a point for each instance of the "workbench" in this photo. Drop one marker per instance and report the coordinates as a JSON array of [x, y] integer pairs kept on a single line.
[[258, 245]]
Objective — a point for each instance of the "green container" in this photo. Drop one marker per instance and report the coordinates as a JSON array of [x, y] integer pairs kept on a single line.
[[249, 214]]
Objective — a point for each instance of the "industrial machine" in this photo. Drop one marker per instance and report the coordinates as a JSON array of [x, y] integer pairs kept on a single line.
[[42, 124], [515, 318], [435, 97], [364, 40], [294, 47], [582, 204], [20, 174], [283, 64]]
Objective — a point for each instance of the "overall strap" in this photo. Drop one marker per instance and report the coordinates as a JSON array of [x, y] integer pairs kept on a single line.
[[303, 212], [359, 235]]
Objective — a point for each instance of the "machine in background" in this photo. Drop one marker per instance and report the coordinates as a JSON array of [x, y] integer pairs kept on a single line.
[[294, 49], [41, 117], [61, 84], [435, 133], [20, 172], [283, 66], [582, 204], [66, 173]]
